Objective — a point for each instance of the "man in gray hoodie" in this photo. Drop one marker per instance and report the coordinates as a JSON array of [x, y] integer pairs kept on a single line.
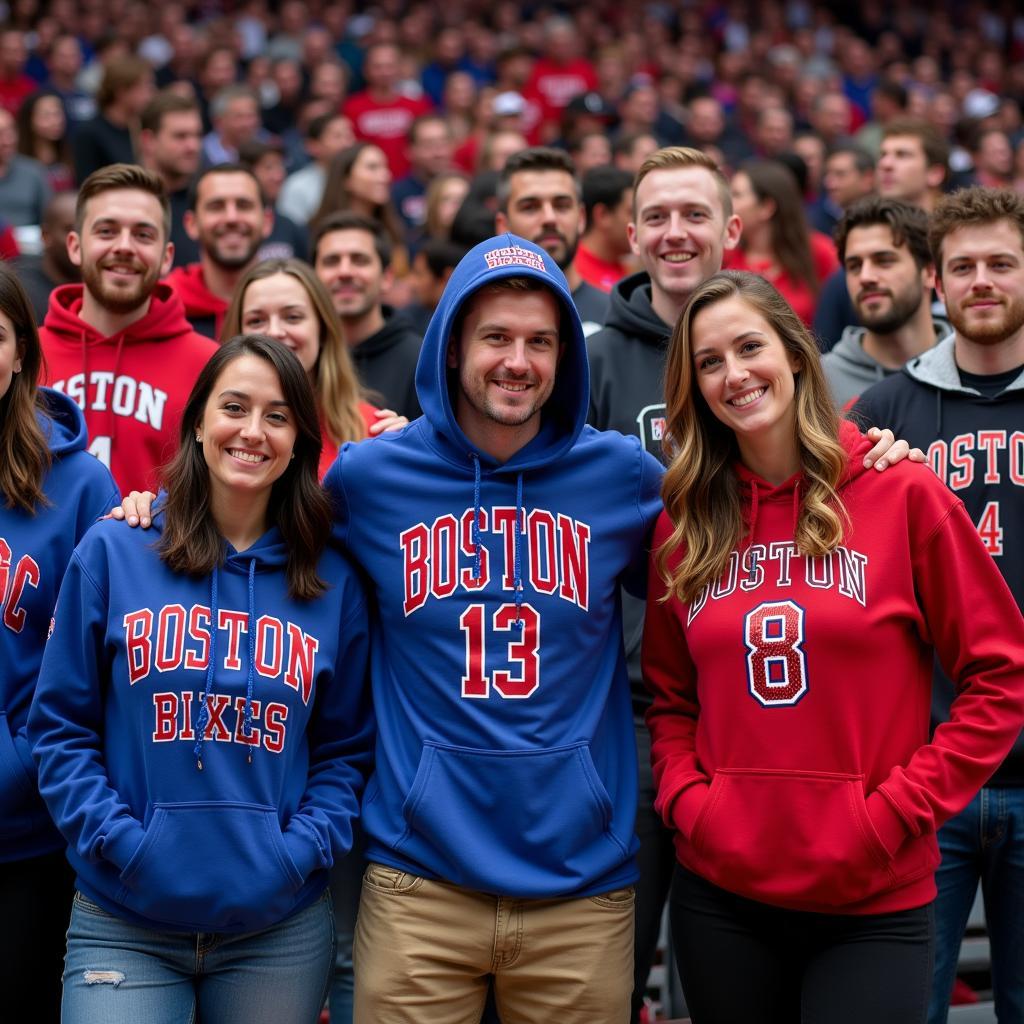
[[883, 247]]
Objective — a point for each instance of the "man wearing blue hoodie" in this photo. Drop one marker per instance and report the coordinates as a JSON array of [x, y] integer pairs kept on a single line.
[[497, 529]]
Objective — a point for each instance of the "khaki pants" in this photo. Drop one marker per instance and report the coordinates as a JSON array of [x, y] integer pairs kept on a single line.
[[424, 951]]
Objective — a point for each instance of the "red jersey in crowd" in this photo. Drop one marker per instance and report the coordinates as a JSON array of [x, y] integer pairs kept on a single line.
[[385, 124], [205, 311]]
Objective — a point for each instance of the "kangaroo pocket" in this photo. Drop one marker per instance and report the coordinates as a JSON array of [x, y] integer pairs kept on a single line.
[[790, 838], [21, 808], [211, 866], [529, 823]]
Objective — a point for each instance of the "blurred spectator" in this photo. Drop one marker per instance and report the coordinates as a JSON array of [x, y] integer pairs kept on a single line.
[[430, 155], [774, 133], [495, 112], [811, 149], [849, 176], [235, 114], [24, 186], [287, 239], [640, 113], [431, 267], [52, 267], [913, 163], [559, 75], [327, 135], [63, 66], [125, 89], [498, 147], [832, 118], [218, 70], [591, 150], [706, 125], [776, 241], [287, 85], [449, 55], [630, 151], [184, 62], [170, 143], [328, 81], [15, 84], [445, 194], [888, 100], [602, 258], [588, 114], [43, 135], [381, 114], [993, 158]]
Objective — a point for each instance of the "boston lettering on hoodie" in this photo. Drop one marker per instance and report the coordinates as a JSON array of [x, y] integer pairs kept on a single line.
[[506, 759], [791, 697], [34, 552], [132, 386], [202, 743], [975, 444]]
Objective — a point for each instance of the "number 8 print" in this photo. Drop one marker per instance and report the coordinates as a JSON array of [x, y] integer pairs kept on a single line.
[[776, 664]]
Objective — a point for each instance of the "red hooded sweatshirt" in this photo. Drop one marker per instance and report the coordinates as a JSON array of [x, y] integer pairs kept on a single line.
[[204, 310], [790, 719], [132, 386]]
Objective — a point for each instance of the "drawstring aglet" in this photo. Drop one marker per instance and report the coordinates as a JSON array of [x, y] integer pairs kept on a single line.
[[199, 763], [753, 567], [250, 757]]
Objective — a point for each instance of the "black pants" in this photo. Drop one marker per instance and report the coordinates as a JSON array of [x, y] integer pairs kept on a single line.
[[35, 902], [656, 860], [743, 962]]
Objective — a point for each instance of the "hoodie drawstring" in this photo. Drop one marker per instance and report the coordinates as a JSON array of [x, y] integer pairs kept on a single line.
[[247, 727], [204, 713], [211, 665], [517, 540], [517, 580], [751, 557], [477, 567]]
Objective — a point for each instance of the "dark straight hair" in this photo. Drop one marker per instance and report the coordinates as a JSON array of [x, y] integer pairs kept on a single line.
[[24, 453], [298, 507]]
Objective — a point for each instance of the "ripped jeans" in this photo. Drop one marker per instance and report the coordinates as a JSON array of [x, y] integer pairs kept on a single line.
[[116, 972]]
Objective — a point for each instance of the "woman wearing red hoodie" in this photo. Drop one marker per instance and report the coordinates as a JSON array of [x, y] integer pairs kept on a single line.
[[795, 601]]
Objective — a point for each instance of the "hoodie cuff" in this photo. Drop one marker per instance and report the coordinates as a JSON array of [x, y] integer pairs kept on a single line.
[[889, 826], [122, 842], [303, 849], [687, 806]]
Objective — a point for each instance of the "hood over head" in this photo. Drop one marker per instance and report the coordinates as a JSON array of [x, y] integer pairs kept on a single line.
[[62, 423], [565, 412]]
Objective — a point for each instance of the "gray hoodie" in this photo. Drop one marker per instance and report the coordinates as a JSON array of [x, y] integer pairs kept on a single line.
[[851, 371]]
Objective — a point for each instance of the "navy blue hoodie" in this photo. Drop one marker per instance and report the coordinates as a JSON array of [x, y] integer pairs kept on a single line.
[[132, 673], [505, 759], [34, 552]]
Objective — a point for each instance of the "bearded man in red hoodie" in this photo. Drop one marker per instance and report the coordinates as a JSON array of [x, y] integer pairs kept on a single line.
[[228, 216], [119, 344]]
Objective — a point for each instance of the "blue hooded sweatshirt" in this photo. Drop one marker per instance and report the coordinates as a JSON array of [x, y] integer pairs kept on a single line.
[[506, 760], [205, 779], [34, 552]]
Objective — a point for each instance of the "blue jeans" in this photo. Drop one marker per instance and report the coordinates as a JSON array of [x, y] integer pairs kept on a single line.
[[985, 842], [119, 973], [346, 886]]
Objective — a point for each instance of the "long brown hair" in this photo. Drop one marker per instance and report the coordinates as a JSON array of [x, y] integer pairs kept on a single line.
[[337, 198], [791, 239], [334, 377], [700, 488], [300, 509], [29, 144], [24, 454]]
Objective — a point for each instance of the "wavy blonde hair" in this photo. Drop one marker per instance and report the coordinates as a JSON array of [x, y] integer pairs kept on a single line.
[[700, 489], [334, 377]]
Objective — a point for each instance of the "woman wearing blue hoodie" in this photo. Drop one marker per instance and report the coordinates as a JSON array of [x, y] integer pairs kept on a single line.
[[202, 720], [51, 491]]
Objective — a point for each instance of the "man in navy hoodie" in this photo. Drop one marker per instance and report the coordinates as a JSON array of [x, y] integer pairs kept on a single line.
[[963, 401], [496, 530]]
